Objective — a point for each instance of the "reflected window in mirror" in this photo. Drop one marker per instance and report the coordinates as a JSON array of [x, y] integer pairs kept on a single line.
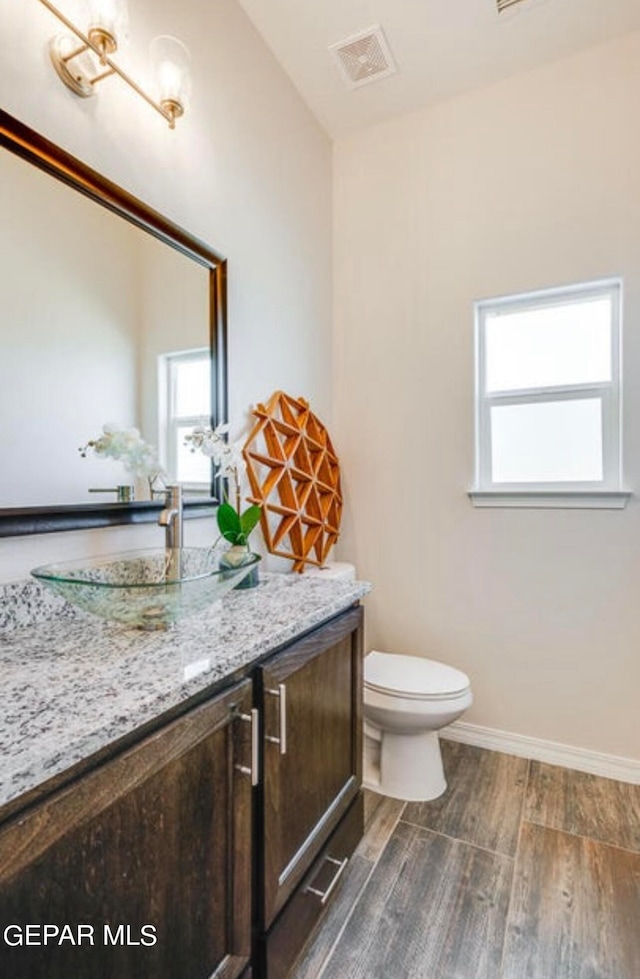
[[184, 388]]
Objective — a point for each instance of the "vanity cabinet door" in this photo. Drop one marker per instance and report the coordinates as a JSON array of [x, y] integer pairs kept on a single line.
[[146, 859], [312, 722]]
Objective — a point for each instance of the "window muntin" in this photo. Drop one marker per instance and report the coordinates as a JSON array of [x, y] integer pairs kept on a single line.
[[548, 390]]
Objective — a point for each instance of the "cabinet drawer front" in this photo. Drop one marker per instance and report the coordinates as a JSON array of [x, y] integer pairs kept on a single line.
[[318, 888], [144, 845], [312, 751]]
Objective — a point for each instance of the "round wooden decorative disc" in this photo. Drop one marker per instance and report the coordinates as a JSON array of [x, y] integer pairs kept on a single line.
[[294, 475]]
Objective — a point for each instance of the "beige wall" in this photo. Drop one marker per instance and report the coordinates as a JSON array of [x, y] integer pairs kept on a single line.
[[248, 170], [533, 182]]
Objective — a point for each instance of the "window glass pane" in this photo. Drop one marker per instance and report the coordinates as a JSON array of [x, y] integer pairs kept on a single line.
[[547, 442], [192, 467], [192, 380], [569, 343]]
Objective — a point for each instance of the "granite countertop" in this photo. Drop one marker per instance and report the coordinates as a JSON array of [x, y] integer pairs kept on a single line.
[[73, 684]]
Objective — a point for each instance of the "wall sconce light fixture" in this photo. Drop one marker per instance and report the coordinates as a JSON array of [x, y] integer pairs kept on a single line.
[[84, 58]]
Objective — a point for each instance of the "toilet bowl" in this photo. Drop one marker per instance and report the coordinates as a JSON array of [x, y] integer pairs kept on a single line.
[[407, 700]]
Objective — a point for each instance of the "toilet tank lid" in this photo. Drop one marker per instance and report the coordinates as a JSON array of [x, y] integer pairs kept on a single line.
[[412, 675]]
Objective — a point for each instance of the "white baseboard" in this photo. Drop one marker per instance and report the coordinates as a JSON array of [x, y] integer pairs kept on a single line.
[[551, 752]]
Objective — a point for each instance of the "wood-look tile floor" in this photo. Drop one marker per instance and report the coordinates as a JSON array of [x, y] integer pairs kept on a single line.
[[521, 870]]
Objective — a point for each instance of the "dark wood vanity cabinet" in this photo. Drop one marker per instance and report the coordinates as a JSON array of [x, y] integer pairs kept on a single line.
[[310, 696], [209, 849], [155, 843]]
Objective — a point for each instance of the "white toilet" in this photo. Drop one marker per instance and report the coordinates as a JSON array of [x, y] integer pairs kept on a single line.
[[407, 700]]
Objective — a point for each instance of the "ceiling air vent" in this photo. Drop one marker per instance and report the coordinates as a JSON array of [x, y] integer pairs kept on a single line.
[[364, 57]]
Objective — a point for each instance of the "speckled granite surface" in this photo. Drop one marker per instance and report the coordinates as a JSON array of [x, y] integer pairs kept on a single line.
[[72, 684], [28, 603]]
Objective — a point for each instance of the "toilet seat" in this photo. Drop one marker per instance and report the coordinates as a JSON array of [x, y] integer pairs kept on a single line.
[[413, 677]]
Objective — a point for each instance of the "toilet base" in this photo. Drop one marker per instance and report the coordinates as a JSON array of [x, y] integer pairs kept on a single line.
[[407, 767]]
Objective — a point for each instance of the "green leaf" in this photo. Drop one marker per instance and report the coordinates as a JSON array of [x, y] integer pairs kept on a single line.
[[229, 524], [249, 519]]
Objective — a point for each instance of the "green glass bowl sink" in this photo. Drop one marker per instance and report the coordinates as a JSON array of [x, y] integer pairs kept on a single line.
[[149, 589]]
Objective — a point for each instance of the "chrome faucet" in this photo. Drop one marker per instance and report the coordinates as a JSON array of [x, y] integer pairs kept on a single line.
[[171, 517]]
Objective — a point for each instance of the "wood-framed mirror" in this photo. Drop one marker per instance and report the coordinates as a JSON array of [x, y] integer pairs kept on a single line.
[[93, 311]]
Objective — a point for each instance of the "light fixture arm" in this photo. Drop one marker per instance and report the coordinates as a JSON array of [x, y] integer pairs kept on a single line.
[[102, 44]]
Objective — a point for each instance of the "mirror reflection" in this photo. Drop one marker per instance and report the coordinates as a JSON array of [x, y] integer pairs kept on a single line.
[[101, 324]]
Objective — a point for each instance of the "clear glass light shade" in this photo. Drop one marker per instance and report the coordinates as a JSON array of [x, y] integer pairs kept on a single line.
[[110, 16], [171, 60]]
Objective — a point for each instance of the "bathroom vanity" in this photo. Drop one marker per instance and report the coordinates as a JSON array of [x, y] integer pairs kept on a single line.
[[187, 806]]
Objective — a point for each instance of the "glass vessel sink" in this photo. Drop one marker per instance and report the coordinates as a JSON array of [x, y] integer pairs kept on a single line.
[[148, 589]]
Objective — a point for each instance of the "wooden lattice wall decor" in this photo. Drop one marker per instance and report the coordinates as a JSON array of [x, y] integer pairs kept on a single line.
[[295, 477]]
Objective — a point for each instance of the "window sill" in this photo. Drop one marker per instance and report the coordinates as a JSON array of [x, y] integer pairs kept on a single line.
[[552, 499]]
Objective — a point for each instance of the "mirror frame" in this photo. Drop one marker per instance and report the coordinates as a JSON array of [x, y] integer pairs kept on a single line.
[[39, 151]]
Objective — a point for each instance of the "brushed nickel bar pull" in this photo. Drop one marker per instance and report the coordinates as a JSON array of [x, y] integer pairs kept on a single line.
[[325, 895], [283, 718], [252, 719], [281, 694]]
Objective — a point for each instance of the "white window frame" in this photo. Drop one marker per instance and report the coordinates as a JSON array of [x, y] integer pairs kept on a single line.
[[169, 421], [607, 492]]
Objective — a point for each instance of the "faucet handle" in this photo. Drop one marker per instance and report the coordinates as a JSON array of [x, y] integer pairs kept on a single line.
[[124, 494]]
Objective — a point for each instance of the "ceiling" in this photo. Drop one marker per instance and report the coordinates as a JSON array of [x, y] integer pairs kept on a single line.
[[441, 47]]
